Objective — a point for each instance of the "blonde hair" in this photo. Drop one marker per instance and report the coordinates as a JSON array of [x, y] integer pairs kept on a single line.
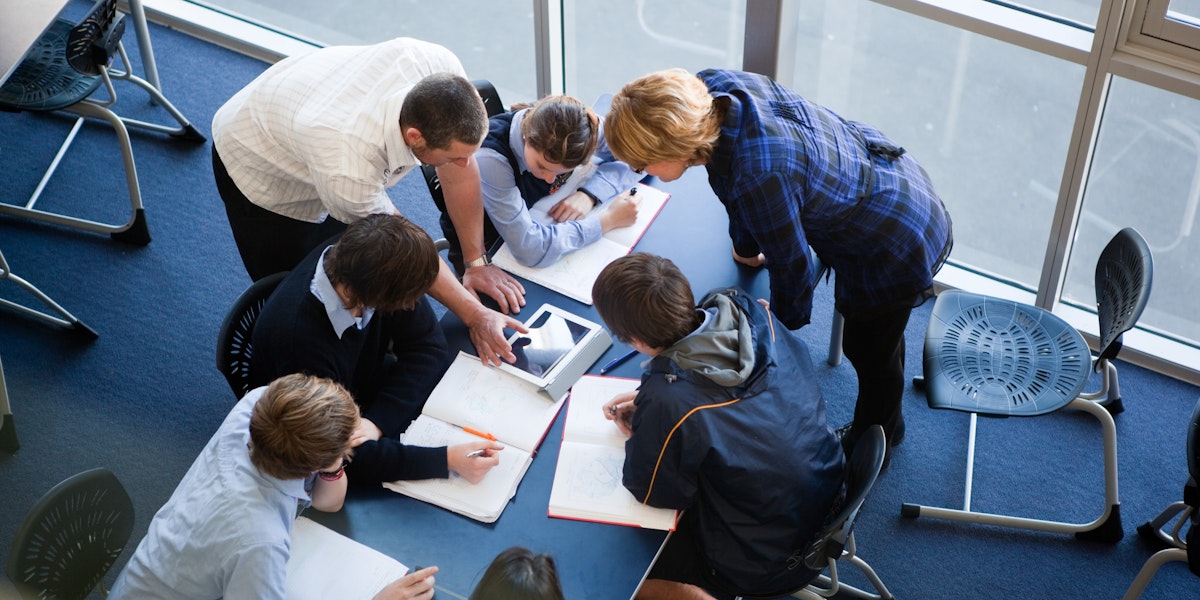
[[663, 116], [301, 424]]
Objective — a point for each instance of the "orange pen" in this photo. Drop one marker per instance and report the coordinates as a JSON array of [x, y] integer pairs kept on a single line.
[[482, 434]]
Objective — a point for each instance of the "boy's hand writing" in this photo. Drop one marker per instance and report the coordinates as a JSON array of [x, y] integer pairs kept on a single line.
[[620, 411], [417, 585], [473, 460]]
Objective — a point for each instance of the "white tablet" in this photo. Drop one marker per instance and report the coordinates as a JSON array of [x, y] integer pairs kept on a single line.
[[557, 350]]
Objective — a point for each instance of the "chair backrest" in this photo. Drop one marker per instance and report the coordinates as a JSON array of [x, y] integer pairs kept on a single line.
[[234, 340], [91, 43], [1124, 274], [861, 473], [71, 537]]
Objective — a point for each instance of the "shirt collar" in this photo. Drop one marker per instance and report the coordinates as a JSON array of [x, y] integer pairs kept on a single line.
[[339, 316], [722, 158], [398, 152]]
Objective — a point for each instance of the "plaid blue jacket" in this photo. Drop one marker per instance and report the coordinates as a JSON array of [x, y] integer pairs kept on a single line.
[[793, 174]]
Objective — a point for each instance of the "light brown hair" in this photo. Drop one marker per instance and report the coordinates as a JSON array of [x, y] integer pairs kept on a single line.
[[645, 296], [301, 424], [664, 116], [563, 129]]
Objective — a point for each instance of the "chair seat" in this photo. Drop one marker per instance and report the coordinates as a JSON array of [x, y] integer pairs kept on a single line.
[[45, 81], [1000, 358]]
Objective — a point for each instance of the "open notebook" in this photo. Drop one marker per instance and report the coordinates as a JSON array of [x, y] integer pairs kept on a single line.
[[587, 480], [575, 273], [326, 564], [484, 399]]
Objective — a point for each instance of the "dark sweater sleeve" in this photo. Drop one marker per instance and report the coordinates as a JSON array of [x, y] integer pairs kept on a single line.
[[657, 471], [389, 460], [420, 358]]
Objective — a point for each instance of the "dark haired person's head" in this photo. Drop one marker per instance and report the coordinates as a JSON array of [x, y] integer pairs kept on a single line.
[[645, 297], [518, 574], [383, 261], [562, 129], [442, 118]]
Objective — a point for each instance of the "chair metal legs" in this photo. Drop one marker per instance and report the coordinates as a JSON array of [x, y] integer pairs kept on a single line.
[[1151, 567], [1154, 531], [827, 586], [1106, 528], [62, 318], [835, 339], [8, 429]]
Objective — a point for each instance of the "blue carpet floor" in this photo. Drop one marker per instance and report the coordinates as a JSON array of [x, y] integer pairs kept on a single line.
[[145, 397]]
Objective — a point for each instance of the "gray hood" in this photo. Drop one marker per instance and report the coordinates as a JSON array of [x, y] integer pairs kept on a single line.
[[722, 348]]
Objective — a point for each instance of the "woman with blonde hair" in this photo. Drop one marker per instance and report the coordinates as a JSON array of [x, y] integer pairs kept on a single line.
[[552, 150], [793, 175]]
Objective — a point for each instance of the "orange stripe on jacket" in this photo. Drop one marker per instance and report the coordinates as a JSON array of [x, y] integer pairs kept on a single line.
[[667, 441]]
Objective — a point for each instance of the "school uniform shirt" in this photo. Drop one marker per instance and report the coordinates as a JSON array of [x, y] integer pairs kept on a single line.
[[793, 174], [318, 134], [509, 190], [226, 530]]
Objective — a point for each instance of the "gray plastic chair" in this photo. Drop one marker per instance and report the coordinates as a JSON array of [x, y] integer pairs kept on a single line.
[[61, 72], [994, 357], [71, 537]]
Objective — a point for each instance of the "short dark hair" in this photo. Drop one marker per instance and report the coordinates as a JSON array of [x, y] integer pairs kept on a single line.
[[565, 130], [645, 296], [384, 261], [301, 424], [445, 108], [519, 574]]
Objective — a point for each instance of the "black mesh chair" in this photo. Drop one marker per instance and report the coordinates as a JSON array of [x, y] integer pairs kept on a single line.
[[491, 102], [993, 357], [61, 73], [836, 541], [71, 537], [1179, 546], [234, 347]]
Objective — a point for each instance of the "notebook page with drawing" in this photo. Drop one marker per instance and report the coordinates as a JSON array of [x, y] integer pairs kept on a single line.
[[326, 564], [587, 480], [574, 274], [489, 400]]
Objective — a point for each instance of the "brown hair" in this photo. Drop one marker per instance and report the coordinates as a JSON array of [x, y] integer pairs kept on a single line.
[[301, 424], [563, 129], [518, 574], [645, 296], [445, 108], [664, 116], [383, 261]]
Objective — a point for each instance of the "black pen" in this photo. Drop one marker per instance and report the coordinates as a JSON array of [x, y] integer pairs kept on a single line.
[[616, 362]]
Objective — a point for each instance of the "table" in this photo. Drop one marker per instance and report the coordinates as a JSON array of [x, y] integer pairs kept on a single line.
[[595, 561]]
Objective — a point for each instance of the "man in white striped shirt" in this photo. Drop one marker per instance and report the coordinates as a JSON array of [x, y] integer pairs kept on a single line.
[[313, 143]]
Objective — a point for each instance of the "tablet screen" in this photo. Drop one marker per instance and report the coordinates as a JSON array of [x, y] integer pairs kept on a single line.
[[551, 337]]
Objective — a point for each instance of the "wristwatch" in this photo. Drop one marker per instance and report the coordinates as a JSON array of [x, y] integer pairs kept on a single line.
[[482, 261]]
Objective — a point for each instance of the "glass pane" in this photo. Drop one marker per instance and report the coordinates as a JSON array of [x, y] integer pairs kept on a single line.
[[1185, 10], [989, 122], [1146, 175], [610, 43], [1079, 11], [494, 40]]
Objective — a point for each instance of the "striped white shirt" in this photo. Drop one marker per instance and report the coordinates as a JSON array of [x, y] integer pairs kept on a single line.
[[319, 134]]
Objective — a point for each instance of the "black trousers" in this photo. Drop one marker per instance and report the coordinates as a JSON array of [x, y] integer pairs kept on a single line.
[[268, 242], [875, 347]]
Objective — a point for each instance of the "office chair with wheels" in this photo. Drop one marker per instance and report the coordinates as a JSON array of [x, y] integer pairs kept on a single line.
[[60, 73], [836, 542], [71, 537], [491, 102], [61, 316], [1178, 546], [234, 347], [993, 357]]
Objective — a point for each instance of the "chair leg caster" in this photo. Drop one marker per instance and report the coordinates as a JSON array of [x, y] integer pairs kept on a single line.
[[190, 133], [1109, 531], [8, 435], [137, 234], [83, 331]]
